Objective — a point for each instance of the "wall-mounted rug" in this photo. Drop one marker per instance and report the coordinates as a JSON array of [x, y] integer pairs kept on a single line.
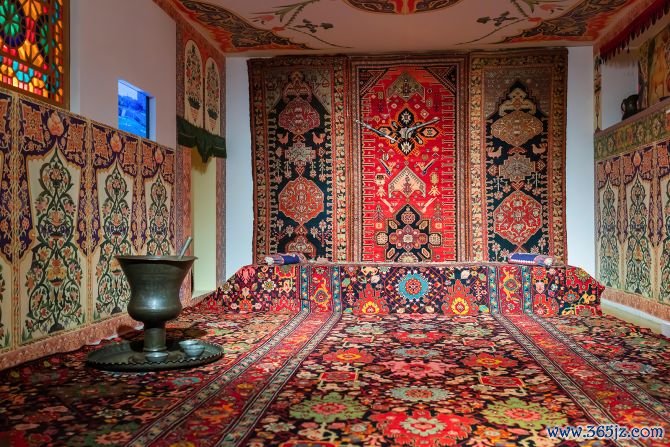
[[408, 159], [517, 153], [298, 132], [633, 211]]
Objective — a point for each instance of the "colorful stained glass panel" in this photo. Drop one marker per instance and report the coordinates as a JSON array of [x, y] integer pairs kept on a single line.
[[33, 49]]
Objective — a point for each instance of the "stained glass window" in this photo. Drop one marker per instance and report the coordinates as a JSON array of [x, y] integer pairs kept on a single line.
[[33, 48]]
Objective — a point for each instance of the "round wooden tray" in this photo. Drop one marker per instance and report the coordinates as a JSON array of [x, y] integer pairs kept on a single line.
[[128, 356]]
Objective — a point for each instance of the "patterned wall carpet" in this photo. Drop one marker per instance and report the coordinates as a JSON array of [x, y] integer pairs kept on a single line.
[[408, 192], [517, 158], [299, 164], [633, 212], [318, 370], [410, 159], [72, 194]]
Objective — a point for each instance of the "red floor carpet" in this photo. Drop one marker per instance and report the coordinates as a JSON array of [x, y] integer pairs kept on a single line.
[[326, 378]]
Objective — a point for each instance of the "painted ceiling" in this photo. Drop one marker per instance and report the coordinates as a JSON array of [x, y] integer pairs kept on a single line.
[[350, 26]]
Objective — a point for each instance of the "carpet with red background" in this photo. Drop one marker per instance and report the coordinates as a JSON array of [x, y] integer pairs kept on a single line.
[[331, 355]]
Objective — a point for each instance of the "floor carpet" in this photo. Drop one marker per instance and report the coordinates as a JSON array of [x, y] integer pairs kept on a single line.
[[326, 379]]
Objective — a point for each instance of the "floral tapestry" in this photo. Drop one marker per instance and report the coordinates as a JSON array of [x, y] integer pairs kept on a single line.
[[633, 212], [74, 194]]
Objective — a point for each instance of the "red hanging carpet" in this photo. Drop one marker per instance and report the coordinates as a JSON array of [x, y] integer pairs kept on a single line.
[[342, 355]]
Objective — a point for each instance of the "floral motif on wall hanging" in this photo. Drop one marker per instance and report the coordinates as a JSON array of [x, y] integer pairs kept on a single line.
[[193, 84]]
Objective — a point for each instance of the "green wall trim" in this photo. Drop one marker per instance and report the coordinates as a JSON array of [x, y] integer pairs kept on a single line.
[[207, 144]]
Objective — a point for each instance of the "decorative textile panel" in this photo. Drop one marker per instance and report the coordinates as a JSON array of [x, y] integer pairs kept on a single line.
[[53, 240], [654, 69], [298, 143], [212, 97], [452, 289], [74, 194], [211, 79], [133, 189], [200, 76], [633, 212], [6, 208], [517, 153], [193, 85], [409, 176]]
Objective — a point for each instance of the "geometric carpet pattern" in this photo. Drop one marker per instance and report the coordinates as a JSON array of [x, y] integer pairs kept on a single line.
[[517, 153], [322, 375], [450, 157], [411, 197]]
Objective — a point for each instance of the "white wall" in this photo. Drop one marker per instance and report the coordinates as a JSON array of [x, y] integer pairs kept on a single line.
[[239, 185], [579, 163], [579, 184], [619, 80], [123, 39]]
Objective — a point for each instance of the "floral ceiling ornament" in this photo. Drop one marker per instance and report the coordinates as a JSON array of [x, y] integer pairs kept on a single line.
[[531, 11], [376, 25], [401, 6], [237, 33], [552, 20], [232, 32], [288, 17]]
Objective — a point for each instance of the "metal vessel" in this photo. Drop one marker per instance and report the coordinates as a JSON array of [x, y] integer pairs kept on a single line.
[[154, 300], [154, 292]]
